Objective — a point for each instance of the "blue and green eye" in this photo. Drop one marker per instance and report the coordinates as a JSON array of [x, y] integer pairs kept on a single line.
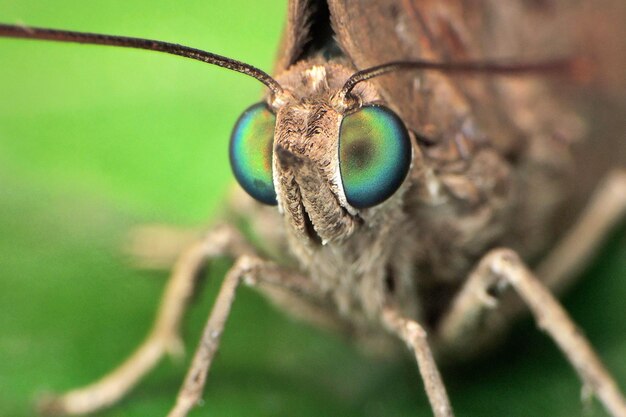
[[374, 155], [250, 152]]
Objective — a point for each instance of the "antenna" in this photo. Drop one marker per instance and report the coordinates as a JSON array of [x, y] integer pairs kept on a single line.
[[26, 32], [470, 67]]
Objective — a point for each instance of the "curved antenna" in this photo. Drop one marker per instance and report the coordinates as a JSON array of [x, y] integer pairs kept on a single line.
[[15, 31], [481, 67]]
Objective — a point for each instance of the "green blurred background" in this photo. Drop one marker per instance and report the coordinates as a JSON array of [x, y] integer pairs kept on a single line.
[[95, 140]]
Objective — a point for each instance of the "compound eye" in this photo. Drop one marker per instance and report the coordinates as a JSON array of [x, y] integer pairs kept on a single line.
[[250, 152], [374, 155]]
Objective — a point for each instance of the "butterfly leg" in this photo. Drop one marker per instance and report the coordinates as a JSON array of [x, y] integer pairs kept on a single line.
[[501, 269], [607, 208], [252, 271], [415, 337], [472, 314], [163, 338], [158, 246]]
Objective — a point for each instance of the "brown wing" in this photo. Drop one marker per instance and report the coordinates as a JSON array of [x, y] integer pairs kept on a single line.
[[525, 117], [295, 34], [374, 31], [519, 116], [528, 121]]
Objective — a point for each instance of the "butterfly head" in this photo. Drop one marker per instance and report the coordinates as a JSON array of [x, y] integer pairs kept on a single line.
[[327, 165]]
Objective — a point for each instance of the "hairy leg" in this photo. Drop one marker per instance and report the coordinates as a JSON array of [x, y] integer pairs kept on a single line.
[[415, 337], [471, 314], [163, 338], [606, 209], [502, 268], [158, 246], [252, 271]]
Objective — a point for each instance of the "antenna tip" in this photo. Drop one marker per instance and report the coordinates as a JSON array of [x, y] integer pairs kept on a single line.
[[582, 69]]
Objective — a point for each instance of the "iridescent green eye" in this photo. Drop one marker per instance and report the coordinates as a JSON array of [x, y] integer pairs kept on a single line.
[[250, 152], [374, 155]]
